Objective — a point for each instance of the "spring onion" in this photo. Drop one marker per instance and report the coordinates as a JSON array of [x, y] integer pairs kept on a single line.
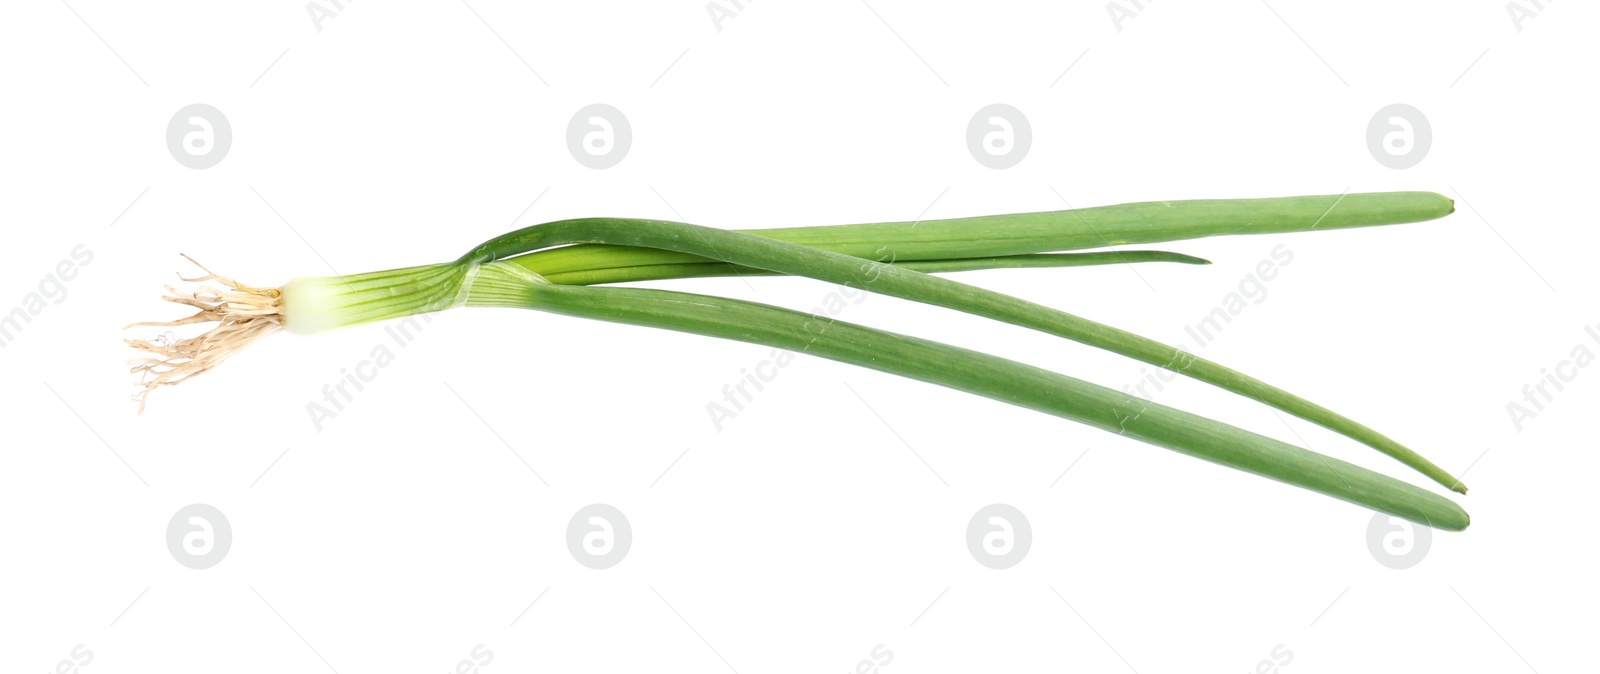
[[547, 266]]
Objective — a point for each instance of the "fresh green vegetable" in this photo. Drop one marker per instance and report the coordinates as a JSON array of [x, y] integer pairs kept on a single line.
[[1023, 233], [659, 272], [1159, 222], [978, 373], [522, 269]]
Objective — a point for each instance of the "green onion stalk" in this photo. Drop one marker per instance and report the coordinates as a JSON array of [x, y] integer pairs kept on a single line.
[[562, 267]]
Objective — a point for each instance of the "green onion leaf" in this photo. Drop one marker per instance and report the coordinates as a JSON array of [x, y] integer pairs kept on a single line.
[[1135, 223], [981, 374]]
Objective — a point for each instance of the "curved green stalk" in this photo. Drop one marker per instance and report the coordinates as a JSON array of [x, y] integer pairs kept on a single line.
[[993, 377], [659, 272], [803, 260], [1022, 233], [326, 302]]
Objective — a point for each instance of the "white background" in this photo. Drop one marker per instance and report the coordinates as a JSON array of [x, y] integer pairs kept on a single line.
[[807, 531]]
